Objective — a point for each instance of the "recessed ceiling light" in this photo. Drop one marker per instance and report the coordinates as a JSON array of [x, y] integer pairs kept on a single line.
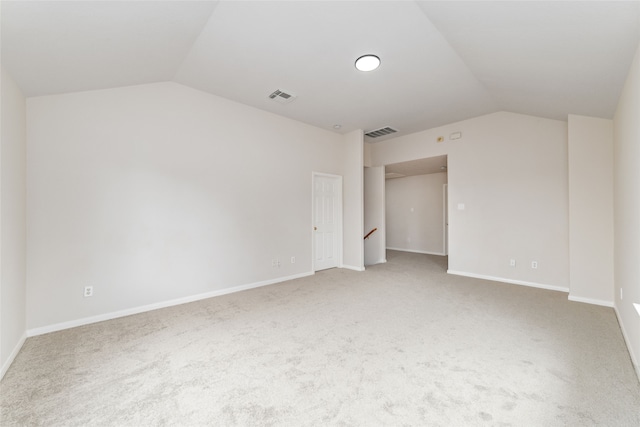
[[337, 126], [367, 63]]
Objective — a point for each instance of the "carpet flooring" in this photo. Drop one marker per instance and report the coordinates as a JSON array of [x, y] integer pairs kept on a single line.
[[401, 344]]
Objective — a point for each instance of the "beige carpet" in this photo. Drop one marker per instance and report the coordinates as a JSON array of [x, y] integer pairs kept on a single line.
[[400, 344]]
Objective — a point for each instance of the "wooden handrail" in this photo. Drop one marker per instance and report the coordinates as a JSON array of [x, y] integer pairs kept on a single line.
[[369, 233]]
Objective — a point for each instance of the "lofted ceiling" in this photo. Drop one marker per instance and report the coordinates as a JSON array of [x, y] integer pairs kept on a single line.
[[441, 61], [437, 164]]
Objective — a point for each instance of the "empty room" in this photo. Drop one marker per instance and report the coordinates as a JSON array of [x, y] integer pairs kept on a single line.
[[301, 213]]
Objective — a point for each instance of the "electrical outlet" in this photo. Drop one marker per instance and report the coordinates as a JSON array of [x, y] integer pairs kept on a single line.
[[88, 291], [512, 262], [534, 264], [293, 260]]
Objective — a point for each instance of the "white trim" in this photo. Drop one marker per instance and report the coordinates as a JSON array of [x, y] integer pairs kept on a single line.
[[339, 232], [352, 267], [382, 261], [591, 301], [513, 282], [13, 355], [634, 359], [141, 309], [415, 251]]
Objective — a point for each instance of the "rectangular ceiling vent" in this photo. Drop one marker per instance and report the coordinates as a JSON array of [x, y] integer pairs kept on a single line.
[[381, 132], [282, 97]]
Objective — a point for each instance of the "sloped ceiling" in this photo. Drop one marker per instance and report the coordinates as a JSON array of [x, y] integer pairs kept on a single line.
[[437, 164], [441, 61]]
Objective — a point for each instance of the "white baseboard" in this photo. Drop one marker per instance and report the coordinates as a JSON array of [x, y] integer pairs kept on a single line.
[[511, 281], [136, 310], [380, 261], [634, 359], [591, 301], [351, 267], [12, 356], [417, 252]]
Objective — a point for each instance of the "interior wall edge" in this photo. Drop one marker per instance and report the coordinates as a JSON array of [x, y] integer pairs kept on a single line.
[[592, 301], [352, 267], [12, 356], [634, 359]]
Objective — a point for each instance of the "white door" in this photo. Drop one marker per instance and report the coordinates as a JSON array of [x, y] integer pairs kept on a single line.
[[327, 220]]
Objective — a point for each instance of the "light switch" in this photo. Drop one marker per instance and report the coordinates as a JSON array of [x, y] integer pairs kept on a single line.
[[460, 206]]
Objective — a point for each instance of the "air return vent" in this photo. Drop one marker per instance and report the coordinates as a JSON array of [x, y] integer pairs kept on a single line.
[[282, 97], [380, 132]]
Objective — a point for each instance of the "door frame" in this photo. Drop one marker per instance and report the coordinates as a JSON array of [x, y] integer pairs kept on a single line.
[[339, 219]]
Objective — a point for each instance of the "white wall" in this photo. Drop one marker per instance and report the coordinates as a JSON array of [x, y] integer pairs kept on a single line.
[[12, 221], [353, 200], [510, 172], [627, 209], [415, 214], [591, 210], [366, 149], [159, 192], [374, 215]]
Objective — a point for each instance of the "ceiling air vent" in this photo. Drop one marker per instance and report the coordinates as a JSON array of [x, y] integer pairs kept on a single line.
[[380, 132], [282, 97]]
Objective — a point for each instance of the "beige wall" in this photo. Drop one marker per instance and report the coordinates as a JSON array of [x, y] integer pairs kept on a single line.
[[159, 192], [591, 210], [415, 213], [510, 173], [626, 168], [12, 221]]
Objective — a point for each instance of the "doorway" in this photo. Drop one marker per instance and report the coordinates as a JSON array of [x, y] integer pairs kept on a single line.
[[445, 215], [375, 246], [327, 221], [416, 194]]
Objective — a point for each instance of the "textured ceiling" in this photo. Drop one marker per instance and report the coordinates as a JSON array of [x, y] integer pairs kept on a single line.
[[441, 61]]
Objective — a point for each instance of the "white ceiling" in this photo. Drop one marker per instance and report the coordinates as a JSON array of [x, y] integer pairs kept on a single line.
[[441, 61]]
